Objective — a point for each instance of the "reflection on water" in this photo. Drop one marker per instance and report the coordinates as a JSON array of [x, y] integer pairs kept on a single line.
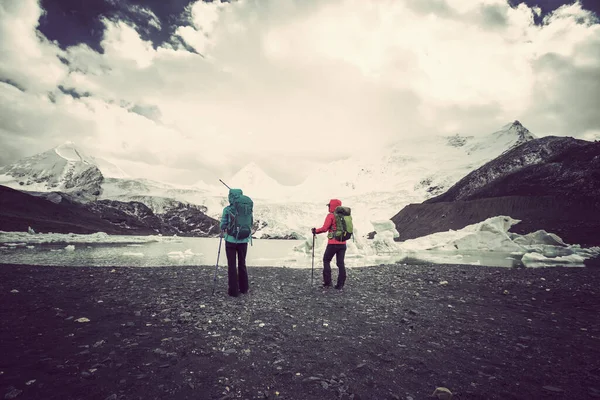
[[204, 251]]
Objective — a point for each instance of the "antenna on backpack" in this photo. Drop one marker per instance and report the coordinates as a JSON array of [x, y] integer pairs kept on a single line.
[[224, 184]]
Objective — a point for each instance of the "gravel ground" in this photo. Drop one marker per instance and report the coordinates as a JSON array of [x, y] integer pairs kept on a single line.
[[394, 332]]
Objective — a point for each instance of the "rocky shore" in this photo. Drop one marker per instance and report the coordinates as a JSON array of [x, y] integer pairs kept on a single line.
[[394, 332]]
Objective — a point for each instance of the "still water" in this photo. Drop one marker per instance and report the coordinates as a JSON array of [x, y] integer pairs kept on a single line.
[[186, 251], [204, 251]]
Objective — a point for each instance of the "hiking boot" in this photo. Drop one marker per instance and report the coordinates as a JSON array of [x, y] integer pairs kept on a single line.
[[338, 287], [326, 286]]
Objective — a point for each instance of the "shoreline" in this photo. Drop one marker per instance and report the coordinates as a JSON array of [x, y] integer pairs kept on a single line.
[[394, 332]]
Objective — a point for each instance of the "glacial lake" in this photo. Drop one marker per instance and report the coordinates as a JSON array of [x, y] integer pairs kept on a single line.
[[203, 251]]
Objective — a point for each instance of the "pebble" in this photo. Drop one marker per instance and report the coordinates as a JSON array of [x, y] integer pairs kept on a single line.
[[12, 393], [553, 389]]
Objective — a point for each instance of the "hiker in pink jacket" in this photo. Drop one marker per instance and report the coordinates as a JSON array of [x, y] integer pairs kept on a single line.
[[334, 247]]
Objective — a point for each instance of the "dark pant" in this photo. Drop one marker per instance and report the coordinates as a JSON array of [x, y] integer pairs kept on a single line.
[[339, 250], [238, 277]]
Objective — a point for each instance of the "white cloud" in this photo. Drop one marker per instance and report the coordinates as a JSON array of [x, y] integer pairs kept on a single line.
[[28, 58], [122, 43], [299, 80], [203, 18], [153, 20]]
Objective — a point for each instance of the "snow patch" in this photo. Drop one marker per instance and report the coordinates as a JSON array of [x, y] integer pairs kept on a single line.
[[182, 254], [539, 260], [132, 254]]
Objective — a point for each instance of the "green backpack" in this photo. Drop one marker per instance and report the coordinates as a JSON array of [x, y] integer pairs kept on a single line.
[[240, 223], [343, 224]]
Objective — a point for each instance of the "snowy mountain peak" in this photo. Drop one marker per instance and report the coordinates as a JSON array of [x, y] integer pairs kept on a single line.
[[517, 130], [70, 152], [64, 168], [511, 135], [249, 174], [253, 180]]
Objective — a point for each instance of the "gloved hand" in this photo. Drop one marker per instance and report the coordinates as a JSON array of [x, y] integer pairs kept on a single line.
[[314, 231]]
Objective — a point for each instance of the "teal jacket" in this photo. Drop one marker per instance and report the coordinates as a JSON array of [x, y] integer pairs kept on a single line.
[[233, 194]]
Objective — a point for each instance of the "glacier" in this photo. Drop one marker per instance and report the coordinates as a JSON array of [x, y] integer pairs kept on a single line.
[[490, 236]]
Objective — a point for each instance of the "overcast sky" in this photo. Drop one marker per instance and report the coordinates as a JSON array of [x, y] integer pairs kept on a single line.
[[181, 91]]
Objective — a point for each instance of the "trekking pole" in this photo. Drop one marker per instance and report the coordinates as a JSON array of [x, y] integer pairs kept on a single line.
[[312, 271], [224, 184], [217, 264]]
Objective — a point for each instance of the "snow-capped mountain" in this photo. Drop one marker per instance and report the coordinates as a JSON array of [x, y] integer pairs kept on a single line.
[[545, 166], [421, 166], [67, 176], [254, 179], [410, 171], [375, 185], [64, 168], [550, 184]]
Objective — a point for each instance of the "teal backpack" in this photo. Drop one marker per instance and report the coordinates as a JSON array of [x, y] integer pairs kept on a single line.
[[240, 223], [343, 224]]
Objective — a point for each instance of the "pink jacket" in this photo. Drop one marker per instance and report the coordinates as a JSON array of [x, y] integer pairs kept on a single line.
[[329, 224]]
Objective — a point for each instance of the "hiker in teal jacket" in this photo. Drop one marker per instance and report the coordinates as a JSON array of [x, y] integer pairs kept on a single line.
[[235, 245]]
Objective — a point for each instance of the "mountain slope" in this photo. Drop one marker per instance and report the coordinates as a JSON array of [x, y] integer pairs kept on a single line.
[[64, 168], [19, 210], [552, 183], [425, 166], [544, 166], [61, 213]]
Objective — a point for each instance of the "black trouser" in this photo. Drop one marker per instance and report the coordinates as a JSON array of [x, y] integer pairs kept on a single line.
[[339, 250], [238, 277]]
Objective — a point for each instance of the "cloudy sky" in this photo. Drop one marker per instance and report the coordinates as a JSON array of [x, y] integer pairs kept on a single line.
[[187, 90]]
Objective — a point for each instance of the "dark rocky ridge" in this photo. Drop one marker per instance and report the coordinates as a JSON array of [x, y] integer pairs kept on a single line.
[[552, 183], [547, 166], [61, 213]]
